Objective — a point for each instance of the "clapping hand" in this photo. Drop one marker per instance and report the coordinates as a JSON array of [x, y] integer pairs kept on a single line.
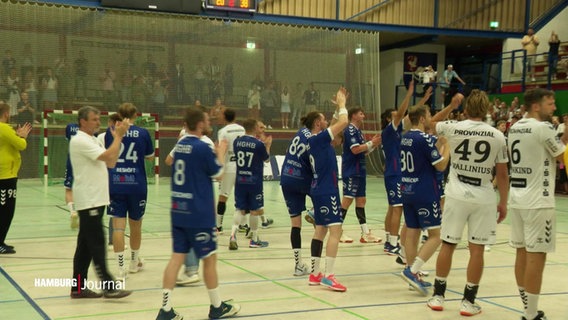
[[23, 131]]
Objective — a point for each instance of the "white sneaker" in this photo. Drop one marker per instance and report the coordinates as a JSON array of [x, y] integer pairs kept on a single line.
[[345, 239], [136, 266], [187, 278], [122, 275], [436, 303], [423, 273], [301, 270], [369, 238], [469, 309]]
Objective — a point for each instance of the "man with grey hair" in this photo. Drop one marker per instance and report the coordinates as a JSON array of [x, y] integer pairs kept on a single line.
[[90, 161]]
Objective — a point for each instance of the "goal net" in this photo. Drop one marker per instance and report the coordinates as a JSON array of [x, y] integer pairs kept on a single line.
[[56, 146]]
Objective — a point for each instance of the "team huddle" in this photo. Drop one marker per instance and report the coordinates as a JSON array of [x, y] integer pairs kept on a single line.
[[418, 148]]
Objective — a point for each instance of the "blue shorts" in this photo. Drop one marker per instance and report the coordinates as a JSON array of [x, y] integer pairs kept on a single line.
[[394, 195], [248, 197], [202, 240], [131, 205], [355, 187], [326, 210], [68, 183], [295, 199], [423, 215]]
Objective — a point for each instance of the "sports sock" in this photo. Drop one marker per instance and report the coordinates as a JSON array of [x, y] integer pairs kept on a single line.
[[166, 296]]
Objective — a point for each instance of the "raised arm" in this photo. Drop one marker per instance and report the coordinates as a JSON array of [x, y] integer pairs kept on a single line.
[[341, 123], [444, 113], [110, 156], [404, 105]]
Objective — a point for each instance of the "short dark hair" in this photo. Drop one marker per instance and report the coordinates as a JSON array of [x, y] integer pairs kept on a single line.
[[4, 107], [310, 118], [536, 95], [230, 114], [127, 110], [353, 111], [192, 117], [83, 113], [115, 117], [385, 116], [416, 112], [250, 125]]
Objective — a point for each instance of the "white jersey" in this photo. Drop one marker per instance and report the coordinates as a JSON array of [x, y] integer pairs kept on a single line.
[[533, 146], [203, 138], [475, 148], [230, 132]]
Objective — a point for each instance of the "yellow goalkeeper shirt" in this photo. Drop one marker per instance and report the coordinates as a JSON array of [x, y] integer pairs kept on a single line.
[[10, 147]]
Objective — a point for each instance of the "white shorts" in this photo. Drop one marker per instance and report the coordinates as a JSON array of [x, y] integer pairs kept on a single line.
[[533, 229], [481, 220], [226, 185]]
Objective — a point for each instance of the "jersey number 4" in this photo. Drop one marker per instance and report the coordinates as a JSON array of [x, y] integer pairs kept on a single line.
[[482, 150], [131, 154]]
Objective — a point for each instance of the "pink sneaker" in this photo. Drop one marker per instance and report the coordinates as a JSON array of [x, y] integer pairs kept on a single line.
[[332, 283], [315, 280]]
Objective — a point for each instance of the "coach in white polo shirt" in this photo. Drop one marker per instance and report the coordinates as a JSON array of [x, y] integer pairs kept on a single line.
[[90, 160]]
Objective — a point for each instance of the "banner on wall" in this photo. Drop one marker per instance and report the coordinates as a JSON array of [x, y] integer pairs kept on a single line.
[[414, 64]]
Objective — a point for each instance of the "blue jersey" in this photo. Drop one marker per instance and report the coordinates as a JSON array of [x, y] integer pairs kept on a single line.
[[194, 165], [391, 148], [352, 165], [296, 170], [324, 164], [71, 130], [250, 154], [129, 174], [418, 157]]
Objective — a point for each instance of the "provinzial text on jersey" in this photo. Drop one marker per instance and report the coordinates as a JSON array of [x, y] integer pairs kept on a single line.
[[474, 133]]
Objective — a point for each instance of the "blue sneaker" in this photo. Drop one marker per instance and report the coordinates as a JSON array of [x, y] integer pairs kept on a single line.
[[258, 244], [392, 250], [225, 310], [169, 315], [414, 281]]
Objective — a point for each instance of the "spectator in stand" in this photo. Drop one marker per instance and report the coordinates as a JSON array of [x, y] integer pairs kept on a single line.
[[429, 79], [297, 105], [553, 46], [269, 100], [12, 83], [311, 97], [285, 107], [81, 70], [530, 43], [446, 83], [254, 102], [26, 111], [107, 79], [8, 62], [49, 85], [228, 81]]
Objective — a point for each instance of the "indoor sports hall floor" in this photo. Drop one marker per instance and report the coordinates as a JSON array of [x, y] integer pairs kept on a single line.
[[260, 280]]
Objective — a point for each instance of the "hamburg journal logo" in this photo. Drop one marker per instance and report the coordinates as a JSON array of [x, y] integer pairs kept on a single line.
[[103, 285]]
